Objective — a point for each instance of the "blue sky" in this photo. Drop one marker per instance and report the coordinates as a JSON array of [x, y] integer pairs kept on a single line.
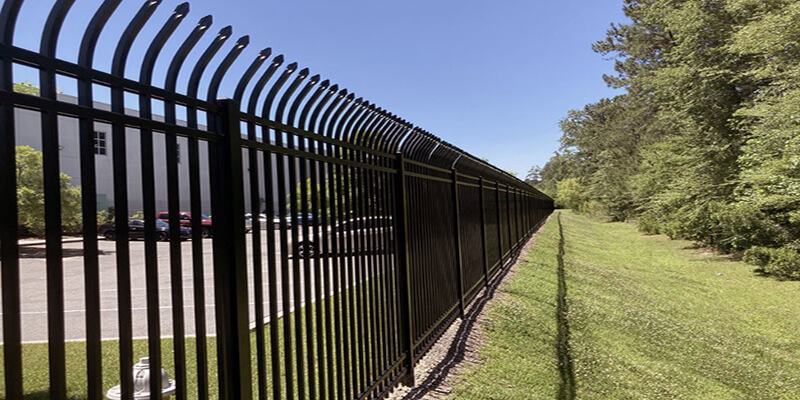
[[492, 77]]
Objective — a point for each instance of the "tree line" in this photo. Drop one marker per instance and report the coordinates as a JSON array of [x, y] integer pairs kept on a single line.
[[704, 144]]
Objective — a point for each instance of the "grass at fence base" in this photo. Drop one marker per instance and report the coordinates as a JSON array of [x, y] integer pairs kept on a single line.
[[648, 317], [36, 376], [520, 354]]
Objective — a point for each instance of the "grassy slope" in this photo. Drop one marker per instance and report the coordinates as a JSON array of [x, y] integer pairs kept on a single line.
[[649, 318], [519, 355]]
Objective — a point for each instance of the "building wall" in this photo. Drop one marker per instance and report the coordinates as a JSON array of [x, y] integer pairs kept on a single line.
[[29, 133]]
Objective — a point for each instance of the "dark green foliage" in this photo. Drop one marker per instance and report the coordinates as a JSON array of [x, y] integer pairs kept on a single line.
[[104, 216], [534, 175], [705, 144], [783, 262]]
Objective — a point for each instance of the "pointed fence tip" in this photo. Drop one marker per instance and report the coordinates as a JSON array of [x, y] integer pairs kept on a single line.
[[226, 32], [243, 41], [182, 9], [206, 21]]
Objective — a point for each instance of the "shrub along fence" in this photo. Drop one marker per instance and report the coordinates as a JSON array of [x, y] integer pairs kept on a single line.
[[378, 233]]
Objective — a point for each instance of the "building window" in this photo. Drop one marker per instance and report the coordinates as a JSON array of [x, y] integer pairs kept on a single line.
[[100, 143], [178, 152]]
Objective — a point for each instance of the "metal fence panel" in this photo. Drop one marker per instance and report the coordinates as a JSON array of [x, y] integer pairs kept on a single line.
[[366, 237]]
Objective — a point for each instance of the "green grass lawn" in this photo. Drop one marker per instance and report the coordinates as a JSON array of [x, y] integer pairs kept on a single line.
[[36, 376], [648, 318]]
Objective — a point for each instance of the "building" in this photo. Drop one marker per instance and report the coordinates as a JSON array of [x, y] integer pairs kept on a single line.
[[28, 133]]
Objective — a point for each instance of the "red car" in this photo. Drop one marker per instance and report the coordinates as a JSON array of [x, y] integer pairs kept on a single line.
[[186, 220]]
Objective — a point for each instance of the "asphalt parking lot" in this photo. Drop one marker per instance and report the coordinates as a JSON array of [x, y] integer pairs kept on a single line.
[[34, 290]]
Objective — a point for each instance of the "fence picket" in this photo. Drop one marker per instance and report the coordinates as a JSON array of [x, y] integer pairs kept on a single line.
[[386, 263]]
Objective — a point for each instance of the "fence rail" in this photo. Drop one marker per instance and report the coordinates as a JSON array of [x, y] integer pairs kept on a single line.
[[377, 234]]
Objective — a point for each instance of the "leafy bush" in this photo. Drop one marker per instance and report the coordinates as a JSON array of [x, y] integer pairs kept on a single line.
[[104, 216], [649, 224], [740, 226], [30, 196], [727, 227], [593, 208], [782, 262], [570, 194], [619, 208], [677, 220]]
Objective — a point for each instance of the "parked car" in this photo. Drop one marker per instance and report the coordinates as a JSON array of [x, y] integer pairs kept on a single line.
[[248, 221], [310, 216], [136, 230], [372, 229], [186, 220], [277, 221]]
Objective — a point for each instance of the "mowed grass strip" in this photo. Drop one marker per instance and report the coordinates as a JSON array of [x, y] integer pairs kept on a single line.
[[649, 318], [519, 358]]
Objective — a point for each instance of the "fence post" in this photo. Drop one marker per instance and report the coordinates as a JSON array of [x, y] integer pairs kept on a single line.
[[511, 243], [459, 256], [404, 269], [483, 236], [499, 224], [230, 264], [9, 215], [517, 217], [526, 217]]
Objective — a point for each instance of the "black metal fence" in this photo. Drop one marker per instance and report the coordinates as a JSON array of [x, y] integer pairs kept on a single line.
[[377, 234]]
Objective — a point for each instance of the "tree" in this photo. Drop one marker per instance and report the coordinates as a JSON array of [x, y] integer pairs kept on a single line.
[[26, 87], [368, 191], [571, 194], [534, 175], [704, 143], [30, 195]]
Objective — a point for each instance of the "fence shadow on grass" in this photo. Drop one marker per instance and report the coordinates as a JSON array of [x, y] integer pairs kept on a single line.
[[460, 346], [567, 387]]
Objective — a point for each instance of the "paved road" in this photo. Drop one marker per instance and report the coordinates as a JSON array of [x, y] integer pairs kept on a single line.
[[34, 290]]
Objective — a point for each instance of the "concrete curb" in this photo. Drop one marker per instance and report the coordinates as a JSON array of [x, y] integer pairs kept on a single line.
[[43, 242]]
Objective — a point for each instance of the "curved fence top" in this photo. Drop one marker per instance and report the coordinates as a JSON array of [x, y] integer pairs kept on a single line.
[[293, 97], [360, 208]]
